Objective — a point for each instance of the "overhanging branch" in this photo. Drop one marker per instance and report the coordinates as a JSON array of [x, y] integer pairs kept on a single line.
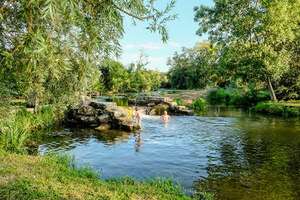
[[141, 18]]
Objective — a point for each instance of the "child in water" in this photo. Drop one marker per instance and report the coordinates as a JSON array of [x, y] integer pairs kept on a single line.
[[165, 117]]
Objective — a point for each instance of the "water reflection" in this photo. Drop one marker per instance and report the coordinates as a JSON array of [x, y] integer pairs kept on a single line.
[[138, 141], [261, 163], [235, 156]]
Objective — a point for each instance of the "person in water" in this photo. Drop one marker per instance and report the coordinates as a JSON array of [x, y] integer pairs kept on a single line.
[[165, 117], [137, 116]]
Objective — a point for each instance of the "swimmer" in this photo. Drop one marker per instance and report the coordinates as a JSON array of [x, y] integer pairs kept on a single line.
[[165, 117]]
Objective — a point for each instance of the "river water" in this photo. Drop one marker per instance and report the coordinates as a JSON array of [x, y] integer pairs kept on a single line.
[[232, 154]]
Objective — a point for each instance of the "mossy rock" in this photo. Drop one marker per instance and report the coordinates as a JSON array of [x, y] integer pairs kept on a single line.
[[159, 109]]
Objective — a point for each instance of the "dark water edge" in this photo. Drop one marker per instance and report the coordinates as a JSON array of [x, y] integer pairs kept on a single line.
[[232, 153]]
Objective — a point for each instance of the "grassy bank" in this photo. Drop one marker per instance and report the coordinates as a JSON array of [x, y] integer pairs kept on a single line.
[[284, 109], [52, 177], [257, 101]]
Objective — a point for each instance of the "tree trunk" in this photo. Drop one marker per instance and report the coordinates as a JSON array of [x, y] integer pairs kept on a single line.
[[273, 95]]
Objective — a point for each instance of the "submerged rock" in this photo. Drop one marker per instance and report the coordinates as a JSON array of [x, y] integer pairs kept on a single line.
[[102, 116]]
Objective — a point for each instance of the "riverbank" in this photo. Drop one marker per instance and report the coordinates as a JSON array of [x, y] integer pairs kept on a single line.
[[24, 176], [52, 177]]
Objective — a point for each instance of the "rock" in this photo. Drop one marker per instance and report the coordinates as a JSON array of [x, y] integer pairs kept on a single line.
[[104, 119], [159, 109], [171, 108], [144, 100], [104, 127], [86, 110], [103, 115], [180, 110]]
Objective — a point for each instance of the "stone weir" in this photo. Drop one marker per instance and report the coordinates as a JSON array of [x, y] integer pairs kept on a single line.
[[102, 116]]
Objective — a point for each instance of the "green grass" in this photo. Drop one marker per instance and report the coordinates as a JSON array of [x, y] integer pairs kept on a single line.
[[277, 109], [52, 177]]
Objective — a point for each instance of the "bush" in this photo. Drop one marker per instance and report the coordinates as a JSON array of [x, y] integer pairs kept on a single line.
[[179, 101], [199, 105], [278, 109], [16, 130], [120, 101], [13, 137], [237, 97]]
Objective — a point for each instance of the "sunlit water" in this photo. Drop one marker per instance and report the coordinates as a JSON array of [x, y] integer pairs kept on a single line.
[[235, 156]]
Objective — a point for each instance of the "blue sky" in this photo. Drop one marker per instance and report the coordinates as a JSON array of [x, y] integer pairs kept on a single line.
[[182, 32]]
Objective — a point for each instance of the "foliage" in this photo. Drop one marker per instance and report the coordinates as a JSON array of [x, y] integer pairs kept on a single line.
[[254, 38], [52, 177], [277, 109], [18, 128], [49, 50], [237, 97], [199, 105], [117, 79], [192, 68], [120, 101], [179, 101]]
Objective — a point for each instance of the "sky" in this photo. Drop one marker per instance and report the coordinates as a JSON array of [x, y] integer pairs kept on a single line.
[[182, 33]]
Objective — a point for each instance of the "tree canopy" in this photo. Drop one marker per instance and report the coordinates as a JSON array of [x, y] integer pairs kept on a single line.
[[255, 38], [51, 48]]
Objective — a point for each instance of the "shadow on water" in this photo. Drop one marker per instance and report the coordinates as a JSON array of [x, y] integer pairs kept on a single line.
[[230, 153]]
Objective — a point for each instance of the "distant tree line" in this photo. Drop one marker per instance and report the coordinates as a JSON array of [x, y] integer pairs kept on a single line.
[[116, 78]]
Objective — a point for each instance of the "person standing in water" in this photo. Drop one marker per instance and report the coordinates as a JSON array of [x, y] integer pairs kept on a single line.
[[137, 116], [165, 117]]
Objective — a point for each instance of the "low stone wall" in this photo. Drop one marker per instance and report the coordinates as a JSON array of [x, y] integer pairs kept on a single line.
[[102, 116]]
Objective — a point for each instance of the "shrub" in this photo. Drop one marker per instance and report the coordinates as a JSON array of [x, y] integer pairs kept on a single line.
[[237, 97], [199, 105], [178, 101], [16, 130], [120, 101], [13, 137], [278, 109]]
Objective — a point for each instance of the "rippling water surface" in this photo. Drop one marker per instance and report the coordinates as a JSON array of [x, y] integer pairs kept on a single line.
[[233, 156]]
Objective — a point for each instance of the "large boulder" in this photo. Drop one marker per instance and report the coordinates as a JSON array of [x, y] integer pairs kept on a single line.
[[102, 116]]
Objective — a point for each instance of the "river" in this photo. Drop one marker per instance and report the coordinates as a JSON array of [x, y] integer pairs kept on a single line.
[[232, 154]]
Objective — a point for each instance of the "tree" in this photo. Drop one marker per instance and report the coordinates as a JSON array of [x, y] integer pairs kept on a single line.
[[51, 48], [253, 36], [114, 76], [193, 67]]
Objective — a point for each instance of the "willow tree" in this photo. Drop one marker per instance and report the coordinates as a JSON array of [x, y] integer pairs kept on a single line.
[[50, 48], [254, 36]]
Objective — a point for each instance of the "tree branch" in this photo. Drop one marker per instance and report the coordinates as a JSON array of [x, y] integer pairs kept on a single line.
[[131, 14]]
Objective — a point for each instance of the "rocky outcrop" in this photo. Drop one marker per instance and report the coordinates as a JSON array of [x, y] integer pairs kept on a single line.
[[171, 108], [102, 116], [144, 100]]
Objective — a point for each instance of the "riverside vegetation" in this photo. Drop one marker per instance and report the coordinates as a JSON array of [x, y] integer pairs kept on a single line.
[[54, 52], [49, 56]]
